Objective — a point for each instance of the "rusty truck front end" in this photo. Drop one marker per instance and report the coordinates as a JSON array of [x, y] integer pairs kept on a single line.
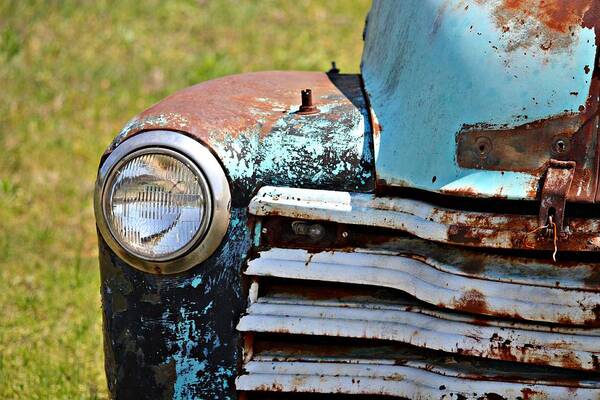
[[428, 229]]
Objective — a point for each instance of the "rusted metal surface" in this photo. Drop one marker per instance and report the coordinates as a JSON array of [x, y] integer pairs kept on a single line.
[[428, 278], [174, 337], [557, 183], [303, 348], [374, 378], [376, 369], [366, 318], [426, 221], [488, 85], [527, 148], [459, 87], [251, 121], [531, 147], [522, 268]]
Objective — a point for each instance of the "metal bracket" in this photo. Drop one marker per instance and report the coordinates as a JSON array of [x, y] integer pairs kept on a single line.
[[559, 177]]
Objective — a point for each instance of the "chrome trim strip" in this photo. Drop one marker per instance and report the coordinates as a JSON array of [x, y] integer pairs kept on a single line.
[[211, 169], [424, 220], [411, 324], [436, 284], [406, 381]]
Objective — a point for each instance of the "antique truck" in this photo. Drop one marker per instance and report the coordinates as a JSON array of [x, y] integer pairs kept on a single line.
[[426, 229]]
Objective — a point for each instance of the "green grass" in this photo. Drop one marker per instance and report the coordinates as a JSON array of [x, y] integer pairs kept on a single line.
[[71, 74]]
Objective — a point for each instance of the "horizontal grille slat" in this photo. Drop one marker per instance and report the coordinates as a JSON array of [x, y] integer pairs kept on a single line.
[[356, 319], [423, 219], [384, 379], [437, 287], [485, 312], [368, 368]]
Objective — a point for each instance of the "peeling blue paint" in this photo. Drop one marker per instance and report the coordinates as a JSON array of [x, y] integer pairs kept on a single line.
[[189, 344], [183, 344], [257, 233], [187, 367], [467, 70], [171, 120], [196, 282], [297, 147]]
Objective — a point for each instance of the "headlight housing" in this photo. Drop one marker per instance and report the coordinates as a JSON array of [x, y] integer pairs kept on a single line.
[[162, 202]]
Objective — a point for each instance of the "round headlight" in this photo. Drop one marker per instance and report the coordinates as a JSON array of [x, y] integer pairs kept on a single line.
[[157, 204], [162, 202]]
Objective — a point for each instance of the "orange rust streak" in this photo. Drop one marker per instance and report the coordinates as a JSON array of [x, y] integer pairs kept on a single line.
[[559, 15], [515, 4], [472, 301]]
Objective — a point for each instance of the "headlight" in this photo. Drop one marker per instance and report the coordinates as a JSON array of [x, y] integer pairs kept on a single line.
[[156, 204], [162, 202]]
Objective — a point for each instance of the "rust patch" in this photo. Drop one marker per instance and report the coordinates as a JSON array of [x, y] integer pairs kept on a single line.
[[464, 235], [547, 24], [274, 387], [501, 348], [525, 148], [595, 362], [570, 360], [472, 301], [565, 320], [591, 18], [596, 321], [561, 15], [529, 394], [229, 106]]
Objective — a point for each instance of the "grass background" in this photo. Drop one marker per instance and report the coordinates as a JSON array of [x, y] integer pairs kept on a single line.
[[71, 74]]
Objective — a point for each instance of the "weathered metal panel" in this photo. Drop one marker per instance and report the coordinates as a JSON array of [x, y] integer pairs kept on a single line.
[[424, 275], [497, 78], [426, 221], [173, 337], [384, 378], [422, 327], [251, 122], [463, 262]]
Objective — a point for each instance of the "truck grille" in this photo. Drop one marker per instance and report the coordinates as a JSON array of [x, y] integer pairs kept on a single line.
[[379, 307]]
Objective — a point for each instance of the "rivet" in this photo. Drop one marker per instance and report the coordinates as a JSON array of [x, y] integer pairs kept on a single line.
[[561, 145]]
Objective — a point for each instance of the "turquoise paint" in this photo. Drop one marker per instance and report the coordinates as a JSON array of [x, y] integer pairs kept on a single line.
[[196, 282], [257, 233], [432, 66], [187, 367], [189, 370], [191, 339], [499, 184], [290, 151], [280, 147]]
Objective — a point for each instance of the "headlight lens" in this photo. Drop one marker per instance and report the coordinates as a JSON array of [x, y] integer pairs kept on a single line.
[[157, 204]]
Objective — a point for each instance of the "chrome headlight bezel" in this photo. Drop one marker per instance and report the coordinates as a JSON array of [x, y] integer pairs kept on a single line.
[[211, 176]]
